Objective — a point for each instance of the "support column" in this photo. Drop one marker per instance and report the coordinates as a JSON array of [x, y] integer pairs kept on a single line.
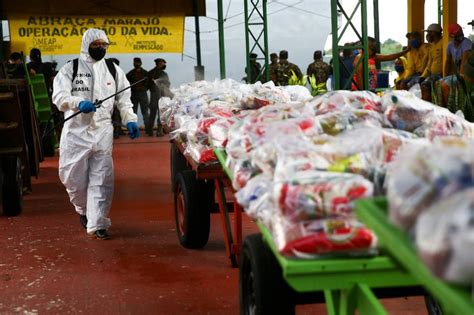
[[450, 15], [220, 18], [256, 35], [416, 15], [198, 69]]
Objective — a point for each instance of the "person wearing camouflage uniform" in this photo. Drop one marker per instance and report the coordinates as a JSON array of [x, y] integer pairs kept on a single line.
[[273, 67], [255, 69], [284, 69], [319, 68]]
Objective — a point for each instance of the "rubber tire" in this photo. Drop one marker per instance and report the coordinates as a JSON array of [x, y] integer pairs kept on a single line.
[[262, 288], [47, 144], [432, 306], [12, 188], [197, 218], [177, 164]]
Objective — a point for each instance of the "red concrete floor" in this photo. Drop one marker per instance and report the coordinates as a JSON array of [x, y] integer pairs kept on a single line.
[[48, 265]]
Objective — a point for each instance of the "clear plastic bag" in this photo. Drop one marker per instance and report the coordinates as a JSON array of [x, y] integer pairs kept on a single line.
[[424, 173], [314, 195], [337, 236], [445, 237], [405, 111], [200, 153], [339, 100]]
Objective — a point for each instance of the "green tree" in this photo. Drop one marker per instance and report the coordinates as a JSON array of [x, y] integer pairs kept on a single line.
[[389, 46]]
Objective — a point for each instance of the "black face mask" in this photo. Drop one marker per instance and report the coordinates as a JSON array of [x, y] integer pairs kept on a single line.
[[97, 53], [458, 38], [163, 67], [137, 65]]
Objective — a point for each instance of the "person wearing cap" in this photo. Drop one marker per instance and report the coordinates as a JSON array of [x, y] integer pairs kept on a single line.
[[417, 59], [255, 69], [15, 67], [318, 68], [139, 91], [273, 67], [457, 54], [434, 67], [159, 84], [36, 65], [285, 68]]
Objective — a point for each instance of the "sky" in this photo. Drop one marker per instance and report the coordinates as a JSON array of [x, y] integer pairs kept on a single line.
[[299, 26]]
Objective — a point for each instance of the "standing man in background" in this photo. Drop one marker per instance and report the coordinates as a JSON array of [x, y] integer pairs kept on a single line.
[[255, 69], [159, 84], [139, 92], [319, 68], [285, 68], [273, 67]]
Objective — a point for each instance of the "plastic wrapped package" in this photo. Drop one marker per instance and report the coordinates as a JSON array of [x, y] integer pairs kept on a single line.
[[336, 122], [315, 195], [185, 125], [444, 237], [200, 153], [424, 173], [193, 107], [218, 132], [242, 171], [293, 146], [220, 109], [441, 123], [393, 140], [325, 237], [272, 113], [406, 111], [358, 151], [338, 100], [255, 199], [298, 93]]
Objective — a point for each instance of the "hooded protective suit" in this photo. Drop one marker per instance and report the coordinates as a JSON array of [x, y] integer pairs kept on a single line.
[[85, 162]]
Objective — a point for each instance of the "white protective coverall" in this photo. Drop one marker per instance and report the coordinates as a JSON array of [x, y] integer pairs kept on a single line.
[[85, 162]]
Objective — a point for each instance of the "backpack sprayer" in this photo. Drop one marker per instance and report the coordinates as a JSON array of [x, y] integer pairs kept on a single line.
[[97, 104]]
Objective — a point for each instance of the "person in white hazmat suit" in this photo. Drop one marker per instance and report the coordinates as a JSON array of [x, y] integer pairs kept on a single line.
[[85, 161]]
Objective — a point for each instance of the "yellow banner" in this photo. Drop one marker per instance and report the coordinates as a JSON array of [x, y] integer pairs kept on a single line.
[[59, 35]]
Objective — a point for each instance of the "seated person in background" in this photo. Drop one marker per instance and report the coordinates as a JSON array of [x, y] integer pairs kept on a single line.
[[468, 109], [434, 67], [401, 68], [15, 67], [457, 53], [417, 59], [373, 58]]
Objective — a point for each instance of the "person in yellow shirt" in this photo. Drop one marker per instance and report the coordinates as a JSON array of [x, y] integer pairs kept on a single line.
[[417, 59], [434, 68], [401, 68]]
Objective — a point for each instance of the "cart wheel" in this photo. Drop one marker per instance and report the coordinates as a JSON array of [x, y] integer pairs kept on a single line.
[[47, 144], [432, 306], [177, 164], [12, 187], [191, 212], [262, 287]]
